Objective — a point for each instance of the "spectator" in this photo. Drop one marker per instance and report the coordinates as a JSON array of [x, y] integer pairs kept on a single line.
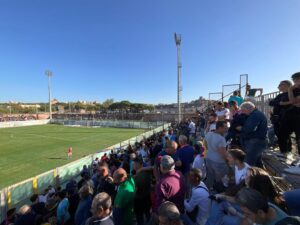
[[236, 158], [280, 104], [85, 179], [192, 130], [222, 113], [212, 121], [253, 134], [199, 162], [234, 109], [257, 209], [63, 215], [199, 203], [236, 97], [237, 119], [216, 154], [25, 216], [36, 206], [10, 217], [202, 125], [260, 180], [251, 92], [171, 135], [142, 201], [105, 183], [74, 199], [124, 202], [185, 154], [143, 152], [156, 149], [101, 210], [171, 186], [170, 150], [168, 214], [291, 118], [84, 206]]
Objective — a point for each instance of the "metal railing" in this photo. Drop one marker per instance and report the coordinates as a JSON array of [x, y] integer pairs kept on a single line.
[[18, 194], [262, 102]]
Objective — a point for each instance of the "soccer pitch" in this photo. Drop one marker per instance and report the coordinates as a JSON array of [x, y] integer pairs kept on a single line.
[[28, 151]]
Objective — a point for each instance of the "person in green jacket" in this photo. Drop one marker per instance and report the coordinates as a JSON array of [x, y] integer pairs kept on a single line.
[[124, 202]]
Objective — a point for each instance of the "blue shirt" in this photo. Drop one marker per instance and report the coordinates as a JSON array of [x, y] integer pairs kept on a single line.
[[62, 211], [255, 127], [83, 211], [186, 156], [238, 99]]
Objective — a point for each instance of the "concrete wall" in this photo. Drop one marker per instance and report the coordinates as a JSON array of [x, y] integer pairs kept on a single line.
[[23, 123]]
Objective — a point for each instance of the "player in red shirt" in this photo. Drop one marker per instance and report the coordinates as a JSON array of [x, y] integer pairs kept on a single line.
[[70, 152]]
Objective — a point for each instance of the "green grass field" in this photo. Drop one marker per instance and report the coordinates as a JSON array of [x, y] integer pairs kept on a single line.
[[29, 151]]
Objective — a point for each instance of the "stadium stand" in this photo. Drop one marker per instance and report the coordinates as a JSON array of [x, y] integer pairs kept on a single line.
[[218, 169]]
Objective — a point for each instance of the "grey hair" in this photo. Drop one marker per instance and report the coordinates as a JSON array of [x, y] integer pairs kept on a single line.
[[182, 139], [248, 105], [170, 211], [102, 200]]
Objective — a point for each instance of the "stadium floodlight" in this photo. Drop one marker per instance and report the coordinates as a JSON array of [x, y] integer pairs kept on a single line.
[[179, 66], [49, 75]]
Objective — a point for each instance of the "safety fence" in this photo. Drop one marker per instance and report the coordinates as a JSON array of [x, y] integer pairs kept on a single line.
[[262, 102], [23, 123], [109, 123], [18, 194]]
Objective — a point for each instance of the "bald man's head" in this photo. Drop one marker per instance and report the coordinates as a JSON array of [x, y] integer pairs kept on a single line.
[[119, 176]]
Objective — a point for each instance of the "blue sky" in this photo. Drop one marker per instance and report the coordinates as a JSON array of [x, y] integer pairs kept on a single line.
[[125, 49]]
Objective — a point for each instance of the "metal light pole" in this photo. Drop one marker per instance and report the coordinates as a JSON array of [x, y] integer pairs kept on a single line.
[[179, 88], [49, 75]]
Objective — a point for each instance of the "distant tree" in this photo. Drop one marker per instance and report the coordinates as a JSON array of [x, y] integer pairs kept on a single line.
[[107, 103]]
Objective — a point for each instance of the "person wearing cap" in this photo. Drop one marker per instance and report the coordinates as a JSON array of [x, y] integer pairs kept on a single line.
[[291, 118], [124, 202], [171, 186], [83, 210]]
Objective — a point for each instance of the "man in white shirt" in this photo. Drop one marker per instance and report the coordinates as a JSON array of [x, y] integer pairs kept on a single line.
[[222, 112], [143, 153], [192, 129], [216, 154], [211, 124], [236, 158], [199, 199]]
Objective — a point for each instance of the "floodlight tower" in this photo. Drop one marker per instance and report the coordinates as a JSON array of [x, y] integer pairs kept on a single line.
[[49, 75], [179, 88]]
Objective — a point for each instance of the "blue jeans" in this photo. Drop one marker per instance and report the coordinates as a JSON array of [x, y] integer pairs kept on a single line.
[[217, 214], [214, 172], [254, 149]]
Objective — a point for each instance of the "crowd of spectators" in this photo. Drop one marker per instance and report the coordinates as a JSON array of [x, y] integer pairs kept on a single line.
[[208, 171], [174, 177], [21, 117]]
